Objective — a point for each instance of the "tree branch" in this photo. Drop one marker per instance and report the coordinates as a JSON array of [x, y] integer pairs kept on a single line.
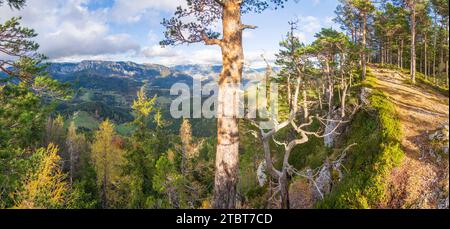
[[248, 27], [220, 2], [209, 41]]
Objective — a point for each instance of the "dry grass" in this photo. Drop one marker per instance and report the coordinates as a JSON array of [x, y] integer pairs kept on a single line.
[[414, 183]]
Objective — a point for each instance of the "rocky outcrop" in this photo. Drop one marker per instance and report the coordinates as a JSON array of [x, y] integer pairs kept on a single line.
[[323, 182], [261, 174], [332, 129], [365, 95], [439, 139], [443, 204]]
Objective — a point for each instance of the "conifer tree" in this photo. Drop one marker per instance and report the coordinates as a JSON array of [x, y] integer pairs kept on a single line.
[[140, 155], [45, 187], [288, 59], [75, 145], [186, 144], [15, 4], [169, 183], [108, 158]]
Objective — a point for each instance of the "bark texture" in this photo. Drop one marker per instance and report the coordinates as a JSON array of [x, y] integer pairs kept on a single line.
[[227, 155]]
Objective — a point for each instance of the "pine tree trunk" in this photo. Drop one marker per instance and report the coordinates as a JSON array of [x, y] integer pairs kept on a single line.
[[434, 49], [425, 56], [104, 181], [421, 61], [398, 55], [320, 98], [413, 43], [305, 106], [448, 45], [183, 159], [289, 91], [363, 58], [227, 155], [401, 54], [388, 51]]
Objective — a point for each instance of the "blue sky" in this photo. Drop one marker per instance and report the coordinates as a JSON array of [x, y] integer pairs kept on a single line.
[[74, 30]]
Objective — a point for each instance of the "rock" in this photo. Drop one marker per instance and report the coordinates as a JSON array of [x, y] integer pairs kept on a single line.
[[323, 182], [441, 137], [261, 173], [433, 136], [445, 149], [365, 94], [331, 126], [443, 204]]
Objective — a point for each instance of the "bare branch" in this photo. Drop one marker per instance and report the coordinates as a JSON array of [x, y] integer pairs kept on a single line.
[[248, 27], [220, 2], [209, 41]]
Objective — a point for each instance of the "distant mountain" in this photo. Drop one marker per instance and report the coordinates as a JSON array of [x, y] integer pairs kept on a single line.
[[199, 71], [106, 89], [111, 69], [92, 74]]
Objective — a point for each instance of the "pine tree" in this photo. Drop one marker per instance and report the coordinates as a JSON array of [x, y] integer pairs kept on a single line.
[[186, 144], [46, 186], [107, 156], [364, 9], [289, 59], [74, 146], [55, 132], [16, 4], [169, 183], [139, 163]]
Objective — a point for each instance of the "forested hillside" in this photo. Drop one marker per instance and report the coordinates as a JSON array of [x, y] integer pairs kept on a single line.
[[356, 119]]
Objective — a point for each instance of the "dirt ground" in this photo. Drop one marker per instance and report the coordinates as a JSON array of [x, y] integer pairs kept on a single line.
[[421, 181]]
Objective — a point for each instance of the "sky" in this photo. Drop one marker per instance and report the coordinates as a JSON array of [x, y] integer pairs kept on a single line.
[[130, 30]]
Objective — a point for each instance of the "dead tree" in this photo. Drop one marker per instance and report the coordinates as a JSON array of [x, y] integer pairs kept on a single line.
[[281, 176]]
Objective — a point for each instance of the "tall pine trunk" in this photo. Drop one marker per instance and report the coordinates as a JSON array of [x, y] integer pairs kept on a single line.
[[363, 56], [448, 45], [227, 155], [426, 58], [401, 53], [398, 55], [413, 43], [104, 196]]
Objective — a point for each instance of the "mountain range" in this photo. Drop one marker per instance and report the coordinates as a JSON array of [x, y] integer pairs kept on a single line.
[[106, 89]]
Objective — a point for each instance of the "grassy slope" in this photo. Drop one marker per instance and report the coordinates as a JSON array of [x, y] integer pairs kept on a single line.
[[83, 119], [376, 131]]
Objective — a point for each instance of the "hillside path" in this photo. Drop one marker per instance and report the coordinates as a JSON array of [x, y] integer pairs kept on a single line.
[[421, 181]]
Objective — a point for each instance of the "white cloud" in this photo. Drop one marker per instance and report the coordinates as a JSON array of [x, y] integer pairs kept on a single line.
[[69, 28], [301, 36], [152, 36], [134, 11], [247, 34], [157, 51], [201, 55], [170, 57], [255, 59], [310, 25]]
